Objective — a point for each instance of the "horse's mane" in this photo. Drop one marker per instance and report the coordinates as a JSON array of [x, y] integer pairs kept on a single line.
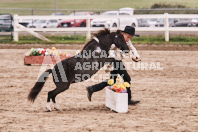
[[102, 32]]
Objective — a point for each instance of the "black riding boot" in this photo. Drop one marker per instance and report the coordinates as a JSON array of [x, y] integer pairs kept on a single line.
[[131, 102], [95, 88]]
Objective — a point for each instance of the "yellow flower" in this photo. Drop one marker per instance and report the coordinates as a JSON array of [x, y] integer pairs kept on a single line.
[[119, 86], [111, 82], [117, 80], [122, 87], [53, 48], [126, 84]]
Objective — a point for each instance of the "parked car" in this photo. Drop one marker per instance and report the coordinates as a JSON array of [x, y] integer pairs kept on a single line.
[[6, 22], [75, 22], [151, 21], [185, 22], [143, 23], [52, 23], [197, 22], [160, 22], [115, 22], [194, 22]]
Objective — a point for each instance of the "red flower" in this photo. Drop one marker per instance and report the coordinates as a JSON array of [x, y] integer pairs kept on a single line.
[[43, 52], [118, 90]]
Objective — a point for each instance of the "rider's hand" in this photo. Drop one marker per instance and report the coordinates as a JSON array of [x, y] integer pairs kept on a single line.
[[136, 59]]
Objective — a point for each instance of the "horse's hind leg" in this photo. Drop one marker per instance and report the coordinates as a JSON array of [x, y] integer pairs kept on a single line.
[[56, 92], [52, 94]]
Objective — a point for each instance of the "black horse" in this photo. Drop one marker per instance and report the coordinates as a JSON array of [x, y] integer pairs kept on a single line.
[[71, 70]]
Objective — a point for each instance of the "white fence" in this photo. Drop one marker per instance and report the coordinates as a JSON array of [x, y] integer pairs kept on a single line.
[[166, 29]]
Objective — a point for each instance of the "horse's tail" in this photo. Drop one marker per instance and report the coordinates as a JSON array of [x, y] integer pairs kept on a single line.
[[39, 85]]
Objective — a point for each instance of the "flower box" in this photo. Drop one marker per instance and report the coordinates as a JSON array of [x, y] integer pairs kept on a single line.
[[44, 56], [28, 60], [116, 101]]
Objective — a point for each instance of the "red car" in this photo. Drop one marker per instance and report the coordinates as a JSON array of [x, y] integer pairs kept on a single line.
[[75, 22]]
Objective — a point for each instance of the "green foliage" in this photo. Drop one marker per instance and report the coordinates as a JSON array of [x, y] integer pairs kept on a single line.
[[154, 9], [54, 40], [161, 40], [5, 39], [163, 5], [82, 40]]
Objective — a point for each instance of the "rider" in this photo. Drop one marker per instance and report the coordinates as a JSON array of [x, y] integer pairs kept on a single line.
[[128, 34]]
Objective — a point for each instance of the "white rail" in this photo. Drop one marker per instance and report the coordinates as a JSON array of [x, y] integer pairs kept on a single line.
[[89, 29]]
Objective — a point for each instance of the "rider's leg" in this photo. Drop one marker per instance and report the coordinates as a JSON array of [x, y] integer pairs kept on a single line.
[[95, 88], [100, 86], [120, 69]]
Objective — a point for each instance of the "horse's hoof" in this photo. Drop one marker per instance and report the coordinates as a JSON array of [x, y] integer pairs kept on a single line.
[[56, 107], [48, 110], [48, 107]]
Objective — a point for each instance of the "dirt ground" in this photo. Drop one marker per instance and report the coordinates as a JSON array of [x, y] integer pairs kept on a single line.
[[166, 47], [169, 98]]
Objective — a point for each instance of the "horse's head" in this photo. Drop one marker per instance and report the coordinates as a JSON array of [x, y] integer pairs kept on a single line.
[[120, 42]]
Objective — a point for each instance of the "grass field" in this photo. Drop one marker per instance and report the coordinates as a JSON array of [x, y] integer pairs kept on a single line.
[[157, 40], [91, 4]]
